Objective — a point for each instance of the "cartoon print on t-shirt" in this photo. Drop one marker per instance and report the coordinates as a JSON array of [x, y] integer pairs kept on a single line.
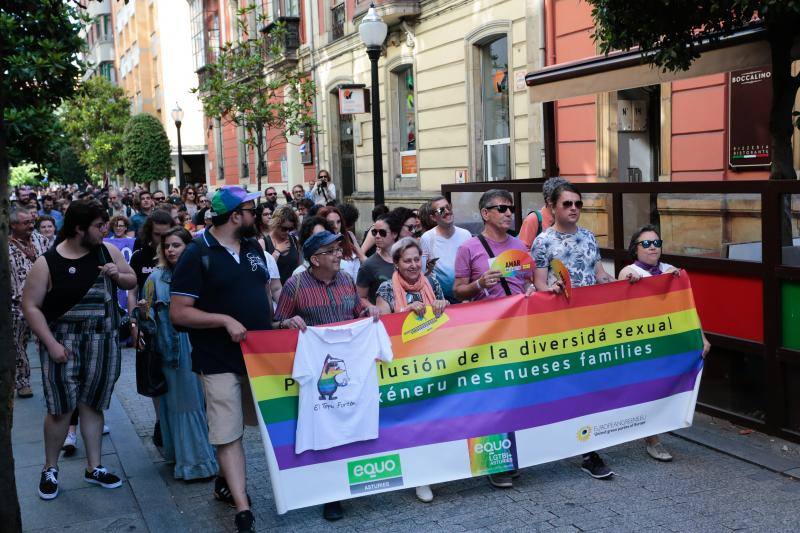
[[333, 376]]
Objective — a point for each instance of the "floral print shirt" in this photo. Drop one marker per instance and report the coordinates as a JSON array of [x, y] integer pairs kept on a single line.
[[21, 264], [578, 251]]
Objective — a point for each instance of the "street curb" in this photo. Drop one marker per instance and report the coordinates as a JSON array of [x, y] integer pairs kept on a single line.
[[150, 491], [716, 439]]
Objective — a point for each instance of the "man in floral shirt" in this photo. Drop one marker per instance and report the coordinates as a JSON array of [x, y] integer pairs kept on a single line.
[[24, 246]]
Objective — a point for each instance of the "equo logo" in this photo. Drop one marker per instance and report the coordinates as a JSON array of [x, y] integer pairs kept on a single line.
[[493, 447], [374, 469]]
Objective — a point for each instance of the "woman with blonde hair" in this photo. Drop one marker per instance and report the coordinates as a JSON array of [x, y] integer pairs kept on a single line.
[[280, 242]]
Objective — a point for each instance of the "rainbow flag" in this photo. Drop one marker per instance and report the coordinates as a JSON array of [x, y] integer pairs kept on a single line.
[[496, 385]]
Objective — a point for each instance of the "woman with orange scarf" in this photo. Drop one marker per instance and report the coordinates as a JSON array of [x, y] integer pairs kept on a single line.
[[409, 290]]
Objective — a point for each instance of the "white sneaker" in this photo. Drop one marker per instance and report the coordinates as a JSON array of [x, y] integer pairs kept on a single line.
[[69, 443], [106, 431], [424, 493]]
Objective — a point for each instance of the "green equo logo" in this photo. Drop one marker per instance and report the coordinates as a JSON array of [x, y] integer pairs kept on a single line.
[[374, 469]]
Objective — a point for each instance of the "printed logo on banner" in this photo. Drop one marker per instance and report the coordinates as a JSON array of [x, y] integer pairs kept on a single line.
[[584, 433], [415, 326], [375, 473], [492, 454]]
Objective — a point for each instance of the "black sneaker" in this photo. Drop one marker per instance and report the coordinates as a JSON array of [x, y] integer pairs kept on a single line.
[[332, 511], [48, 484], [244, 522], [101, 476], [157, 440], [595, 467], [222, 493]]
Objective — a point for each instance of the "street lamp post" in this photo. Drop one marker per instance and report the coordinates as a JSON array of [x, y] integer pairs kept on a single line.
[[373, 32], [177, 117]]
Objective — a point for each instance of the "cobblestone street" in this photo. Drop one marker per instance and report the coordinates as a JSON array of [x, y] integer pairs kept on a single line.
[[701, 490]]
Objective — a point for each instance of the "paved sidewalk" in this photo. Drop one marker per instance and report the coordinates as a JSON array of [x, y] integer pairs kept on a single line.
[[703, 489]]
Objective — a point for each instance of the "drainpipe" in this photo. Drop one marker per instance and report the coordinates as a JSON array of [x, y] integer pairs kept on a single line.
[[311, 33]]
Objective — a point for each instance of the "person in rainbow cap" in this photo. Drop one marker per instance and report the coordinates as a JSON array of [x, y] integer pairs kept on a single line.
[[220, 291]]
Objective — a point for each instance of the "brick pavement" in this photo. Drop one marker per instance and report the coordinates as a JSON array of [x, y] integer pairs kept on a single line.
[[701, 490]]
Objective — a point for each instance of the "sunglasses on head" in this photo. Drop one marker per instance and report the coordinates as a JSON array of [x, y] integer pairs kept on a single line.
[[442, 210], [381, 232], [647, 243], [501, 208], [566, 204]]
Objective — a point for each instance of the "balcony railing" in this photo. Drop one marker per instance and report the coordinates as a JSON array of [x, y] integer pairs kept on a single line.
[[390, 10]]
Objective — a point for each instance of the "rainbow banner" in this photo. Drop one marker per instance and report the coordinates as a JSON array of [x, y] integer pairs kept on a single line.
[[492, 386]]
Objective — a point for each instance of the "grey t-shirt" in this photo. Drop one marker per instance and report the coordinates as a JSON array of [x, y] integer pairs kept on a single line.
[[373, 272]]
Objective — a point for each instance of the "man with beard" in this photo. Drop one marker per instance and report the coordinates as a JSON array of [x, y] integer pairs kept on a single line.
[[220, 290], [68, 303], [116, 207], [24, 247]]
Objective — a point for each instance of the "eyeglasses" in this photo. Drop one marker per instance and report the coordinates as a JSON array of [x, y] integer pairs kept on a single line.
[[381, 232], [335, 251], [252, 210], [99, 226], [500, 208], [121, 225], [566, 204], [442, 210], [647, 243]]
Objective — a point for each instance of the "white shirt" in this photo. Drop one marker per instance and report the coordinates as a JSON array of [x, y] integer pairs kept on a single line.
[[663, 267], [328, 194], [272, 266], [436, 245], [335, 368]]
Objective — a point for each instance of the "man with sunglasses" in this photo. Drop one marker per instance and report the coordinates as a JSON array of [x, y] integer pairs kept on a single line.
[[272, 199], [220, 291], [440, 244]]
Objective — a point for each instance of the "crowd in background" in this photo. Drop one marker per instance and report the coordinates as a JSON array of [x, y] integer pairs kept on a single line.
[[316, 270]]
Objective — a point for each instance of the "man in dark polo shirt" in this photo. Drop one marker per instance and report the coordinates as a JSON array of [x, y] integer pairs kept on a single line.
[[220, 290]]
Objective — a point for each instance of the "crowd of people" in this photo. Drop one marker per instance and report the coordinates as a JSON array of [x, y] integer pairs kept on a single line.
[[182, 276]]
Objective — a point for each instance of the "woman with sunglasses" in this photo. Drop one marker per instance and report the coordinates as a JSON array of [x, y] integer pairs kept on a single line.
[[352, 256], [379, 267], [577, 248], [645, 250], [281, 244], [190, 200]]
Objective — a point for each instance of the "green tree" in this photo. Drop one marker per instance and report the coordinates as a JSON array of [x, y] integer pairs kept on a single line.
[[94, 120], [39, 64], [68, 168], [669, 34], [145, 149], [24, 174], [254, 83]]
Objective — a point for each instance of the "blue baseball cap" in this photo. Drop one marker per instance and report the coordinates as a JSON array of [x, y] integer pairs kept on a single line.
[[228, 198], [317, 241]]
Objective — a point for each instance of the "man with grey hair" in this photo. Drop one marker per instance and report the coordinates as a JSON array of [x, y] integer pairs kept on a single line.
[[24, 247], [539, 220], [478, 279]]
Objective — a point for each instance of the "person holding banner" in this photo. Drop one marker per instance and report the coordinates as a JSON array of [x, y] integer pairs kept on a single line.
[[410, 290], [482, 271], [577, 249], [321, 295], [645, 250]]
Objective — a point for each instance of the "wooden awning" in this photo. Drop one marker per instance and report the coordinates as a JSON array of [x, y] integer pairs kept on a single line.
[[625, 70]]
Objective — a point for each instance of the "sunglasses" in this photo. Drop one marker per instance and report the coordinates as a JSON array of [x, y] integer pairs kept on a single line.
[[647, 243], [287, 228], [381, 232], [411, 227], [566, 204], [442, 210], [501, 208], [272, 194]]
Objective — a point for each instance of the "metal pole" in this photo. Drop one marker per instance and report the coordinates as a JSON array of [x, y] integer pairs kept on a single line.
[[377, 151], [181, 183]]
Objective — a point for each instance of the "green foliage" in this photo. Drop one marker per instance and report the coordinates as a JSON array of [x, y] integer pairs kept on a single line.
[[68, 168], [668, 32], [145, 149], [94, 120], [253, 86], [24, 174]]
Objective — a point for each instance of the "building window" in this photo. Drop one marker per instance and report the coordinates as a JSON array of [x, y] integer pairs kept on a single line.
[[495, 108], [106, 69], [405, 144], [337, 22], [286, 8]]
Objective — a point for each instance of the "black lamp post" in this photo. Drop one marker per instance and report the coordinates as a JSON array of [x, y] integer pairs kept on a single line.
[[373, 32], [177, 117]]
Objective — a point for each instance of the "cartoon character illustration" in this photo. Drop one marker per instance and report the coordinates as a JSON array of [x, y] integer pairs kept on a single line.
[[333, 376]]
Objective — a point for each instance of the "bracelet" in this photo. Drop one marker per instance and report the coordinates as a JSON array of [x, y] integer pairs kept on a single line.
[[478, 283]]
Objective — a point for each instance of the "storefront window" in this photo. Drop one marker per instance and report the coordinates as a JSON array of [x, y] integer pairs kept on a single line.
[[406, 108], [494, 96]]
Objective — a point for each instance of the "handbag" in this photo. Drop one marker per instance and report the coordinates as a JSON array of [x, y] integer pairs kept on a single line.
[[150, 378]]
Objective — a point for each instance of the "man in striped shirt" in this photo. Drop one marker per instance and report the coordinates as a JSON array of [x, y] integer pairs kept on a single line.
[[318, 296]]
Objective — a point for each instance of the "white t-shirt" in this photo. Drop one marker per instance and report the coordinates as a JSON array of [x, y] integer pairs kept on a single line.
[[272, 266], [435, 245], [335, 368], [663, 267]]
